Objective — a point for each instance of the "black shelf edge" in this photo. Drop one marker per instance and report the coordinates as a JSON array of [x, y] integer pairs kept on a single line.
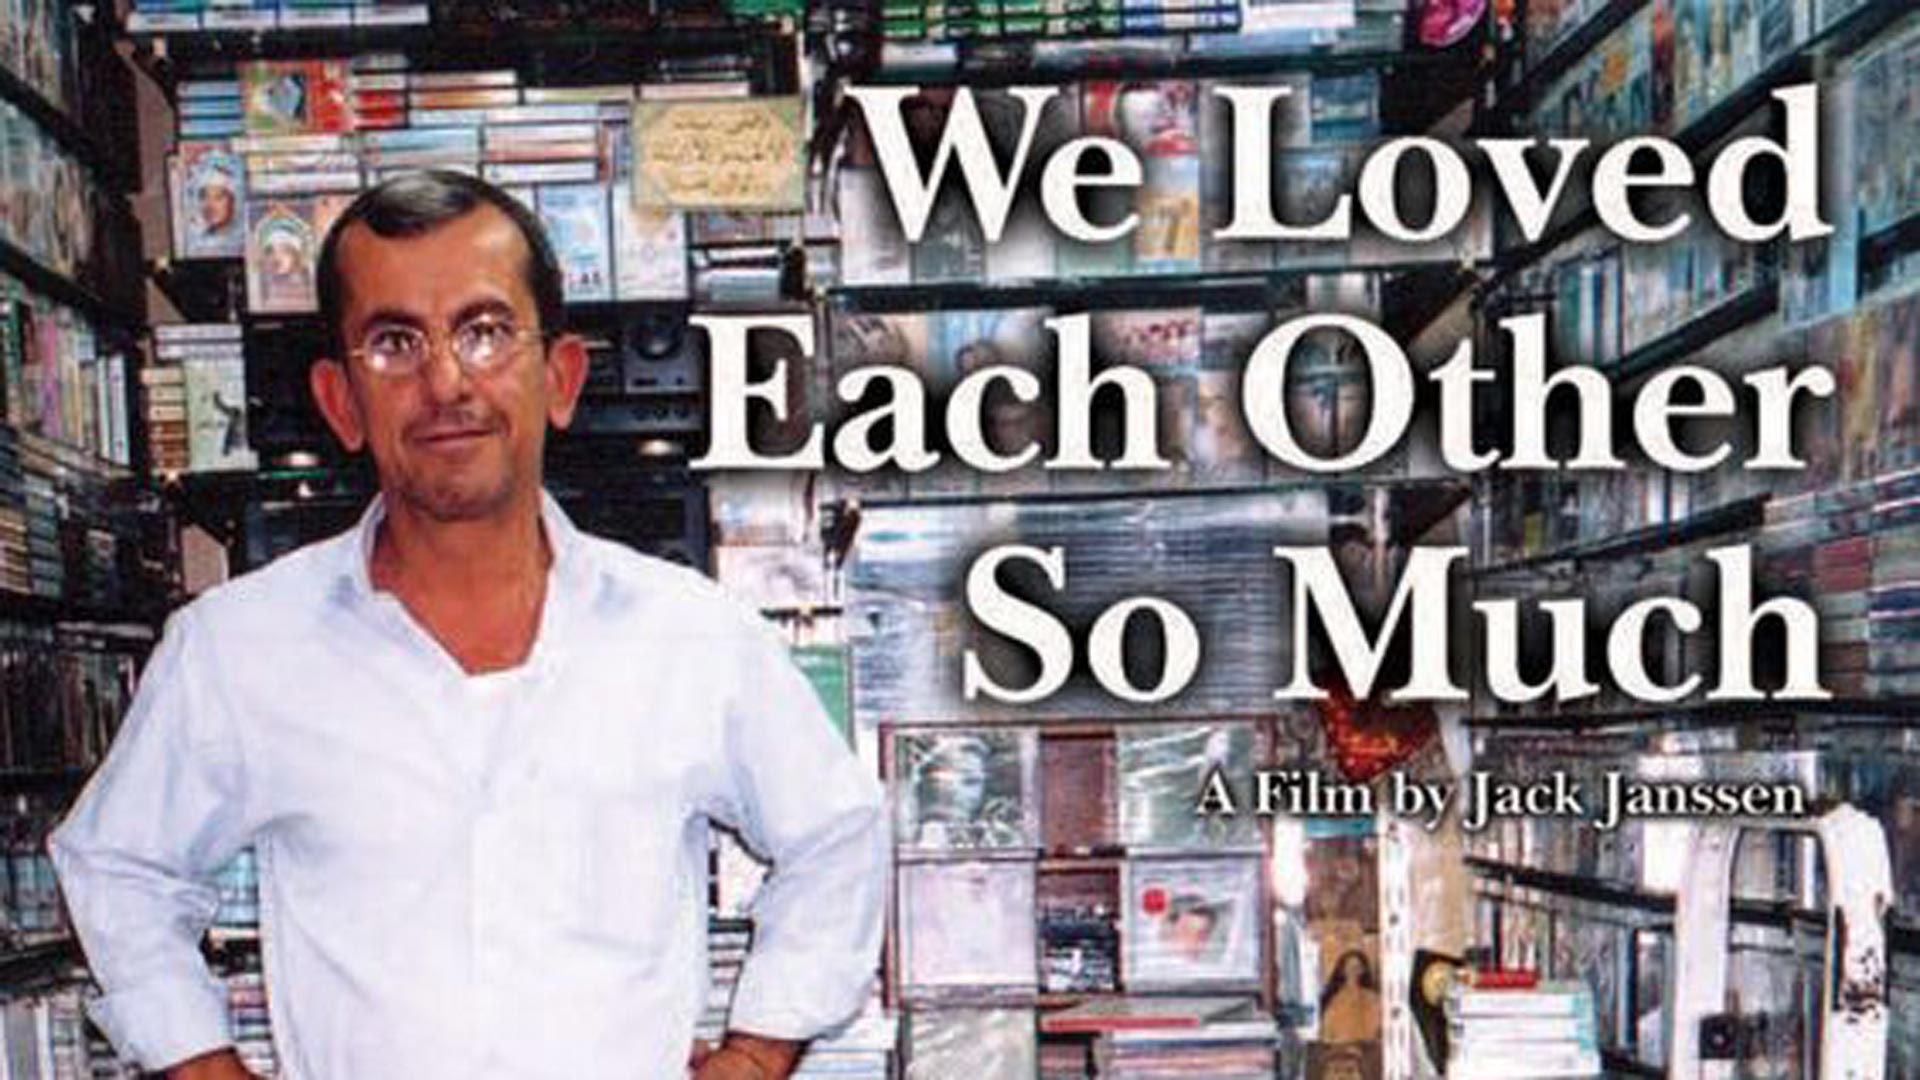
[[1618, 1064], [1901, 712], [1879, 249], [1274, 488], [1737, 516], [67, 132], [1903, 933], [41, 610], [1573, 886], [802, 612], [1560, 58], [201, 290], [56, 286], [1120, 291], [43, 781], [167, 56], [34, 962], [1699, 331], [996, 71], [1411, 522]]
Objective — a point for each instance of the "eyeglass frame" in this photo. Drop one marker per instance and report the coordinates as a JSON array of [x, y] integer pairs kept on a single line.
[[434, 340]]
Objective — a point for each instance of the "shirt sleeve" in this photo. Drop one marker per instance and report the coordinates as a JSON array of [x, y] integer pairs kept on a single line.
[[803, 800], [137, 855]]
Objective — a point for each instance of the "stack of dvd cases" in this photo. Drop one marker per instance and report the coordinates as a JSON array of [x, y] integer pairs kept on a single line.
[[253, 16]]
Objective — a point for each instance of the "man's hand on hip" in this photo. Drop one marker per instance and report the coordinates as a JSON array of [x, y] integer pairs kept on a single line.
[[220, 1065], [746, 1057]]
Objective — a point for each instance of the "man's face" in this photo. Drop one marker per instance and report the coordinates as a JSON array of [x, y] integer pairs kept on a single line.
[[452, 444], [216, 207]]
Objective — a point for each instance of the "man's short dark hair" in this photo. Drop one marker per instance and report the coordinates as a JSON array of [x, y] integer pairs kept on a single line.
[[417, 203]]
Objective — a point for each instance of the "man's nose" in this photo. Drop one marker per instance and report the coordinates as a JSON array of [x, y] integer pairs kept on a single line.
[[445, 379]]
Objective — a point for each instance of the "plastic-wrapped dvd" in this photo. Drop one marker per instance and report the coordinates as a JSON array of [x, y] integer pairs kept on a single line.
[[1191, 921], [1163, 771], [967, 929], [960, 790]]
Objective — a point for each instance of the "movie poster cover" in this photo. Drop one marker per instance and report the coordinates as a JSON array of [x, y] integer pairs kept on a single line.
[[967, 790], [209, 209], [1191, 922]]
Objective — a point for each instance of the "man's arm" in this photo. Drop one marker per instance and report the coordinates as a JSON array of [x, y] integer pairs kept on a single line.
[[136, 854], [803, 800]]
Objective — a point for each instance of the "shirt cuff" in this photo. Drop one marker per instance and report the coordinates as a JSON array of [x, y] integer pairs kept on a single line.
[[164, 1022], [784, 996]]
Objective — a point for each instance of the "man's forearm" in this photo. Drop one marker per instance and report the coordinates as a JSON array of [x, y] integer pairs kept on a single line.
[[219, 1065]]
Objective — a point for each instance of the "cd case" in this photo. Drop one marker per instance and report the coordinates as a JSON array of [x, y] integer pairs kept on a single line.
[[967, 929], [1191, 921], [967, 790], [1164, 770]]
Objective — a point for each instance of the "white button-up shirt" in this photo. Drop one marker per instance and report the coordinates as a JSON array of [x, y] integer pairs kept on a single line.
[[473, 876]]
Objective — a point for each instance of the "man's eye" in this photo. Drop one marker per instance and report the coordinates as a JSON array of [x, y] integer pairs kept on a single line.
[[490, 333], [392, 342]]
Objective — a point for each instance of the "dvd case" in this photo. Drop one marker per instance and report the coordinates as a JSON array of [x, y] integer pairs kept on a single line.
[[1163, 772], [967, 930], [577, 223], [209, 196], [946, 1043], [283, 242], [966, 790], [1191, 922]]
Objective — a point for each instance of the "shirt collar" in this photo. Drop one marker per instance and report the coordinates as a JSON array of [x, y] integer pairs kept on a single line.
[[356, 553]]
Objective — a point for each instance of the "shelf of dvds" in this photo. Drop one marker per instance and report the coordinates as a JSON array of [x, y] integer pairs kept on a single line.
[[1575, 887], [1738, 516], [573, 53], [29, 966], [1223, 289], [1023, 68], [1857, 713], [1881, 250], [1716, 122], [1699, 330], [66, 132], [36, 276], [1779, 914], [1438, 496], [1536, 75]]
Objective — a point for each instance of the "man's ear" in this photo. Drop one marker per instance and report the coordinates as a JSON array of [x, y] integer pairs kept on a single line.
[[333, 393], [566, 373]]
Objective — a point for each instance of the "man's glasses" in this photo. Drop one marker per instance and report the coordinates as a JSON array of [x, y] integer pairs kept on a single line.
[[482, 344]]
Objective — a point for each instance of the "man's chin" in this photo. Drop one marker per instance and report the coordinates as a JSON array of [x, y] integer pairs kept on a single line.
[[454, 502]]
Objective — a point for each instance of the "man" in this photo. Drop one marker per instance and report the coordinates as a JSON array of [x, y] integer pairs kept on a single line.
[[475, 750]]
